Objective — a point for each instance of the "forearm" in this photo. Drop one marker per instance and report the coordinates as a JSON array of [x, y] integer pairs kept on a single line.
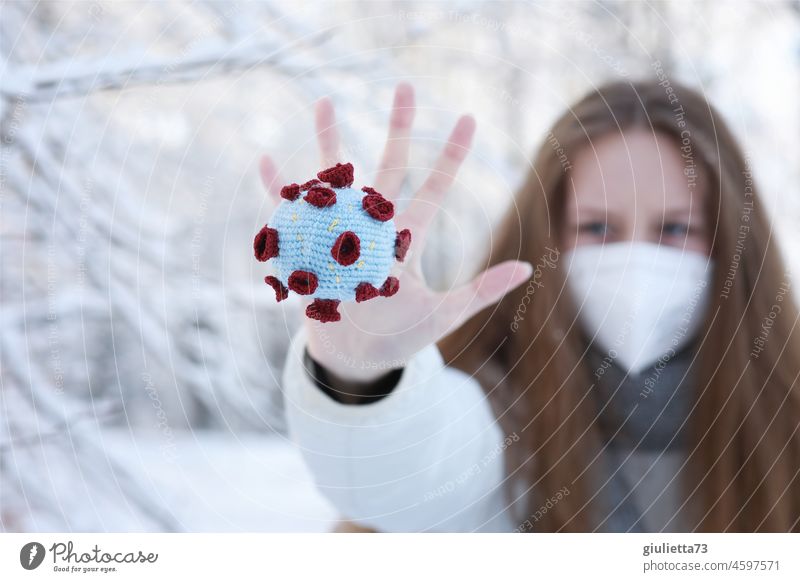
[[424, 456]]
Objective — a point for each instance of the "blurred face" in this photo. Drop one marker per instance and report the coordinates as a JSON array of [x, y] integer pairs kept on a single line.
[[632, 187]]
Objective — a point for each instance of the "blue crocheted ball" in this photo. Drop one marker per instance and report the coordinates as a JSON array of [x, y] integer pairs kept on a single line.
[[332, 243]]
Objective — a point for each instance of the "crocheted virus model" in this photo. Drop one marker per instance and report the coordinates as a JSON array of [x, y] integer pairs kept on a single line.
[[331, 242]]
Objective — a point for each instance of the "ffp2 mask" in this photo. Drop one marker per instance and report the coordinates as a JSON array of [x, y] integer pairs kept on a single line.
[[639, 301]]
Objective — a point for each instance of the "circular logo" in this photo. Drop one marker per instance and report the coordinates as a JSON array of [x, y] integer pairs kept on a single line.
[[31, 555]]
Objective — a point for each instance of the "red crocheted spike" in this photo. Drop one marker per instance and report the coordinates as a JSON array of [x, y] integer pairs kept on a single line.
[[290, 192], [320, 196], [376, 205], [401, 244], [366, 291], [303, 282], [347, 248], [281, 292], [306, 185], [390, 287], [265, 245], [324, 310], [339, 176]]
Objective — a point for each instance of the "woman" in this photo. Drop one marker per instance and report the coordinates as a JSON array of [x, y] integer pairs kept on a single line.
[[644, 379]]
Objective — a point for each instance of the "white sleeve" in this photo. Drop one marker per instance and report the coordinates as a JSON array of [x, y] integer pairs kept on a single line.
[[426, 457]]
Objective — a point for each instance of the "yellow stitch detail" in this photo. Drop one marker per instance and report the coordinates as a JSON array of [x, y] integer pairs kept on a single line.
[[372, 245], [294, 217], [361, 264], [338, 279], [331, 266], [299, 237], [333, 224]]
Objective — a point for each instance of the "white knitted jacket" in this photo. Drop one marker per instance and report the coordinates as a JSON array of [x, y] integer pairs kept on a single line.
[[429, 456]]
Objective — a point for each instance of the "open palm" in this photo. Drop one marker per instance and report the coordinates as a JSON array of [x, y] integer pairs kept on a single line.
[[384, 333]]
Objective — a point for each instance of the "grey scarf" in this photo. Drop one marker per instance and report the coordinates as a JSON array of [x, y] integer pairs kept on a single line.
[[644, 412]]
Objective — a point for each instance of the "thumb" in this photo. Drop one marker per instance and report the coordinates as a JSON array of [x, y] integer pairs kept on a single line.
[[484, 290], [270, 178]]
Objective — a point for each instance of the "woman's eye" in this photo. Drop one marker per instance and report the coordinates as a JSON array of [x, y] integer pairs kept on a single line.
[[594, 228], [675, 229]]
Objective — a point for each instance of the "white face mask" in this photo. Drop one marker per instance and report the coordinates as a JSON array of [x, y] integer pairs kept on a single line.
[[639, 301]]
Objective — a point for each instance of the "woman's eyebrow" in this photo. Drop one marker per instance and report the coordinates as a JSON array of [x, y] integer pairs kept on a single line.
[[596, 211], [682, 211]]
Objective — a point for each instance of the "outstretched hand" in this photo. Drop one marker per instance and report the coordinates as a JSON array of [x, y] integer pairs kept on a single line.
[[376, 336]]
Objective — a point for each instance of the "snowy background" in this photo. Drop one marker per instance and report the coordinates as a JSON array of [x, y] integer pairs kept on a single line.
[[140, 353]]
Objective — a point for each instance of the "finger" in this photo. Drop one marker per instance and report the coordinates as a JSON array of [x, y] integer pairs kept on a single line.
[[327, 133], [270, 177], [393, 167], [423, 207], [484, 290]]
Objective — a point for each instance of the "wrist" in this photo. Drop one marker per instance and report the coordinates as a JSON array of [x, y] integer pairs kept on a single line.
[[343, 367], [348, 390]]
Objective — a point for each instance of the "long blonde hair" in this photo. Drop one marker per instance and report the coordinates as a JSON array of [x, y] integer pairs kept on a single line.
[[744, 449]]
